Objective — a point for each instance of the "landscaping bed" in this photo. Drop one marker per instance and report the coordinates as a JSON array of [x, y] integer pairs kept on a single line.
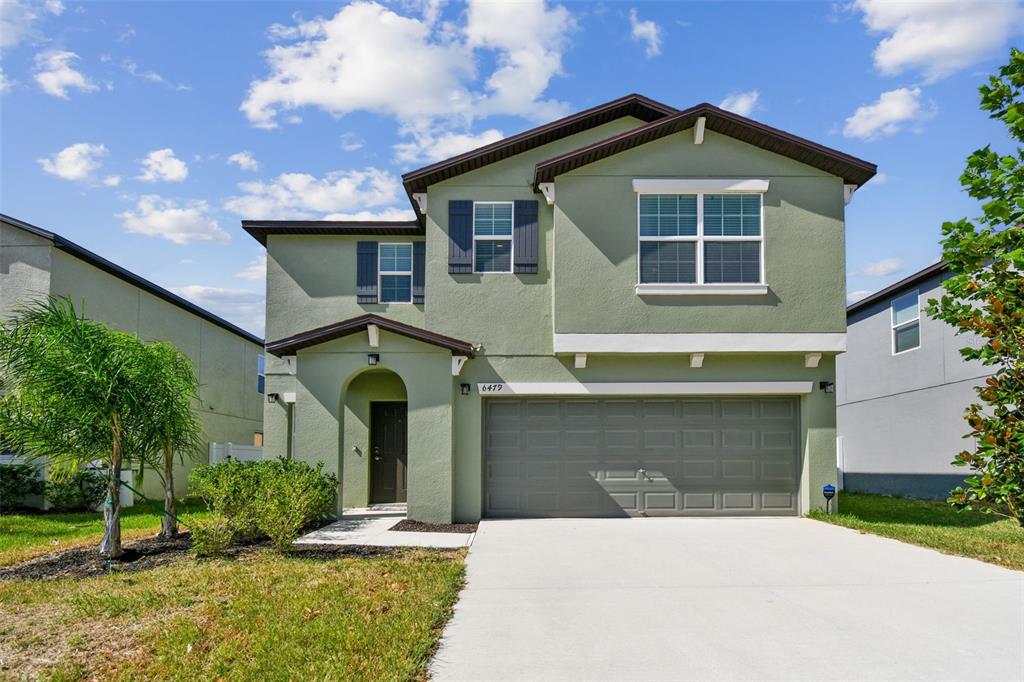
[[411, 526], [934, 524]]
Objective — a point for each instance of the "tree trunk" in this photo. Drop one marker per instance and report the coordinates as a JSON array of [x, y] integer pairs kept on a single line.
[[110, 546], [169, 522]]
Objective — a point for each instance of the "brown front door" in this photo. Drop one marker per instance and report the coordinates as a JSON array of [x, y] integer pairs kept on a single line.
[[387, 452]]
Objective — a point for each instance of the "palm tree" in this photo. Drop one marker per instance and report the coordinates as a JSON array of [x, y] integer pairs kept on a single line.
[[72, 396], [171, 427]]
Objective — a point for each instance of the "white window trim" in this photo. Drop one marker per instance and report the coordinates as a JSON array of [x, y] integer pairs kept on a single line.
[[700, 286], [893, 326], [381, 273], [496, 238]]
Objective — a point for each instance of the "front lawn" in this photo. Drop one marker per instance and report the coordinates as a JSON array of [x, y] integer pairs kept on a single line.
[[934, 524], [260, 616], [23, 536]]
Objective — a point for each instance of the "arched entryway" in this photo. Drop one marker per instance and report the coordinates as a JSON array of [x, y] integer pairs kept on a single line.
[[374, 451]]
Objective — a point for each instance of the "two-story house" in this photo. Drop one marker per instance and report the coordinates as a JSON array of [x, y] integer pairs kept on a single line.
[[633, 310], [902, 391]]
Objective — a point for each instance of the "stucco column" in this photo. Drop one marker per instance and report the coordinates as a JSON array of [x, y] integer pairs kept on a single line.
[[818, 418], [429, 390]]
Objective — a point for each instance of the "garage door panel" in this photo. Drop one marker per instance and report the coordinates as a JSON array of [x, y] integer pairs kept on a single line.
[[583, 457]]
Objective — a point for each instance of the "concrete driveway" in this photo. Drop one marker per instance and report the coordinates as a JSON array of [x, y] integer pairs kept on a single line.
[[725, 599]]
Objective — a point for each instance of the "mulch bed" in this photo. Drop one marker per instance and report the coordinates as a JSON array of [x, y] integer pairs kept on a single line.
[[147, 554], [420, 527]]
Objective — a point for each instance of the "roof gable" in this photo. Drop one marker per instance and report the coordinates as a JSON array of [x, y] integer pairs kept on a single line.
[[296, 342], [851, 169], [633, 105]]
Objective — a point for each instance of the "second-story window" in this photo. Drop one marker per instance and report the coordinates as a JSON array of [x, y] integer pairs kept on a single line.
[[700, 239], [906, 323], [395, 273], [261, 373], [492, 236]]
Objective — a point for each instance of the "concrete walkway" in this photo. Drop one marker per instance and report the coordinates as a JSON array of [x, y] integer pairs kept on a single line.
[[373, 528], [725, 599]]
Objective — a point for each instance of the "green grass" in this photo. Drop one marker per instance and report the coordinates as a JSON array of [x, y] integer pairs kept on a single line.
[[934, 524], [23, 536], [262, 617]]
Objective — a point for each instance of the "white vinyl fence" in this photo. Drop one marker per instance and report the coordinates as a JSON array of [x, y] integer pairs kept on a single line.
[[127, 497], [220, 452]]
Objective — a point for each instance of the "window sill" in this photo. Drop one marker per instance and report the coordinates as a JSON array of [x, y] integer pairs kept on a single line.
[[701, 289]]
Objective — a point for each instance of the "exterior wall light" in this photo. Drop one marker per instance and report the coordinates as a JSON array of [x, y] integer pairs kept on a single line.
[[827, 386], [464, 389], [272, 397], [373, 359]]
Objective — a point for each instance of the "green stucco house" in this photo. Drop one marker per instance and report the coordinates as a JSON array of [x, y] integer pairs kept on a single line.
[[634, 310], [36, 262]]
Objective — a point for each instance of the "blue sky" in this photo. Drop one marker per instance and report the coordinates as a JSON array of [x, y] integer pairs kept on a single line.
[[146, 131]]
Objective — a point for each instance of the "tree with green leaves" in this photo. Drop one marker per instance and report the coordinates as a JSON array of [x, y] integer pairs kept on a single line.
[[172, 430], [985, 298], [71, 396]]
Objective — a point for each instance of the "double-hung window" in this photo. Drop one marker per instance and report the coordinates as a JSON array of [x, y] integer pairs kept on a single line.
[[492, 236], [395, 268], [701, 242], [906, 323]]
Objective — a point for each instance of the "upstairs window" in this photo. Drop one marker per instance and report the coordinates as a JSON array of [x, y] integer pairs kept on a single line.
[[906, 323], [261, 373], [492, 236], [395, 268], [702, 239]]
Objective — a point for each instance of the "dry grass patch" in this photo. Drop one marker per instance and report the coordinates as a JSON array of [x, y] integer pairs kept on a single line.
[[261, 616]]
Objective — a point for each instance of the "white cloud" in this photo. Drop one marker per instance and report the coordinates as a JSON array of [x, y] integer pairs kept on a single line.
[[17, 21], [54, 7], [300, 195], [881, 268], [56, 74], [112, 180], [152, 76], [938, 38], [385, 214], [162, 164], [5, 82], [880, 179], [367, 57], [742, 103], [647, 32], [256, 270], [351, 142], [854, 296], [186, 261], [244, 160], [247, 309], [188, 222], [888, 115], [428, 147], [75, 162]]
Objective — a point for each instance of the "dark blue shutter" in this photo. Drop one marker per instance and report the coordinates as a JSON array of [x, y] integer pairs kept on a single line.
[[460, 236], [419, 262], [366, 272], [525, 235]]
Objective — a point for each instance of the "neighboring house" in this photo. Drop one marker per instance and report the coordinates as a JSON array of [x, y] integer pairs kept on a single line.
[[902, 391], [35, 263], [634, 310]]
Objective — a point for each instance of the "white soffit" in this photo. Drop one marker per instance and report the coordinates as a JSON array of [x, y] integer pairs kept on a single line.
[[649, 388], [692, 185], [701, 343]]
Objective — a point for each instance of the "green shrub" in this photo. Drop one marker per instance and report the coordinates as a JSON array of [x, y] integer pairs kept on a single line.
[[18, 481], [211, 535], [230, 489], [272, 498], [292, 495], [83, 491]]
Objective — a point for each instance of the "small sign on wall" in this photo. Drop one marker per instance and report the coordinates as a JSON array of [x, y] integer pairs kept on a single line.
[[494, 389]]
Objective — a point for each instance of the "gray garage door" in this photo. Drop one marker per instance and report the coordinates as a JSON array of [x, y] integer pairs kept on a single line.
[[641, 457]]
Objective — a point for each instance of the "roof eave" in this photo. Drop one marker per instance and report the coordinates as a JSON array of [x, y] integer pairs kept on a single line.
[[314, 337]]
